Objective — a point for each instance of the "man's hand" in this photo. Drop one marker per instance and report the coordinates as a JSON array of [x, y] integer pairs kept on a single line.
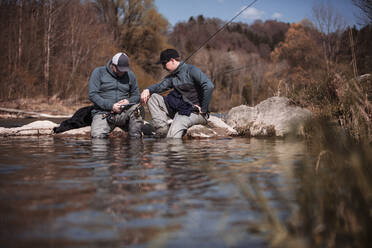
[[116, 106], [205, 115], [199, 108], [123, 102], [145, 95]]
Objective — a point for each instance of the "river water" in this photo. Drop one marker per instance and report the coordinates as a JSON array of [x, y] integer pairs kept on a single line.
[[74, 192]]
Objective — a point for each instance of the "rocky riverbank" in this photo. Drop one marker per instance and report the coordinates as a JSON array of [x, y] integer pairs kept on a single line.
[[275, 116]]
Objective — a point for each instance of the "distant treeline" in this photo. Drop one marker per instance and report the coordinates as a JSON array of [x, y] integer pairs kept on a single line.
[[49, 48]]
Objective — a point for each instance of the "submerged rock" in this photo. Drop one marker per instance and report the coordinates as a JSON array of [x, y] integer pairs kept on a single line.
[[275, 116], [83, 131], [215, 128]]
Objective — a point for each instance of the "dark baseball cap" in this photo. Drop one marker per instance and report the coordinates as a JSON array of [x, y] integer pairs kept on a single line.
[[121, 61], [167, 55]]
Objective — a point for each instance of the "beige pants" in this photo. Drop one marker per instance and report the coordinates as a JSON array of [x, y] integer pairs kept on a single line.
[[160, 118]]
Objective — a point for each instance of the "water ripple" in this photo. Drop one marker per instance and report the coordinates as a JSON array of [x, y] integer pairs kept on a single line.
[[138, 193]]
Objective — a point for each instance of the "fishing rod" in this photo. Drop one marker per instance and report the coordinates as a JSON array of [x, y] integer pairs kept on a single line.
[[219, 30]]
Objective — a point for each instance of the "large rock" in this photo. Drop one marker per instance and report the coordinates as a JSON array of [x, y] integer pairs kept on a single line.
[[275, 116]]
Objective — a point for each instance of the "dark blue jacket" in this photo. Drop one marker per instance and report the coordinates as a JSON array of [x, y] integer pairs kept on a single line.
[[194, 86], [106, 89], [175, 104]]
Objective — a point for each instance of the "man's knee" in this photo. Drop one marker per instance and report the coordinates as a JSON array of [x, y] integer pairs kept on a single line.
[[154, 98], [178, 128], [157, 107], [97, 132], [181, 123], [135, 128], [156, 101], [99, 128]]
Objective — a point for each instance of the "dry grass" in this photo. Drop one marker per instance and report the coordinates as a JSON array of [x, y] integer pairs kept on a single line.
[[333, 196], [53, 106], [343, 100]]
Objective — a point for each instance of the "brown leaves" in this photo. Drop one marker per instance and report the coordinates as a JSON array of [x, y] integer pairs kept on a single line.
[[300, 48]]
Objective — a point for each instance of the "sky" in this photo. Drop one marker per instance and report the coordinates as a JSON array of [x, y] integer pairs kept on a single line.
[[281, 10]]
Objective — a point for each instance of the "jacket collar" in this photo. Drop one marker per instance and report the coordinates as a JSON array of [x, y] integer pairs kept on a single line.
[[180, 67]]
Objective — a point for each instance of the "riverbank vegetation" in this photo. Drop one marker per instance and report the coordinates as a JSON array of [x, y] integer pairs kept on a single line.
[[331, 199], [49, 48]]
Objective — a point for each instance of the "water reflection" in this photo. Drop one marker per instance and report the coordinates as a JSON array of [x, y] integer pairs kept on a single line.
[[139, 193]]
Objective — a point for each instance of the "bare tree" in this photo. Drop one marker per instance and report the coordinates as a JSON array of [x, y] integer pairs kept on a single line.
[[122, 16], [111, 13], [86, 43], [366, 7], [331, 25], [257, 71], [20, 23], [47, 45], [52, 11]]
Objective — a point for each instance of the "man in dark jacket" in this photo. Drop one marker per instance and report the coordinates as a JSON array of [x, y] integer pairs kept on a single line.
[[114, 91], [187, 104]]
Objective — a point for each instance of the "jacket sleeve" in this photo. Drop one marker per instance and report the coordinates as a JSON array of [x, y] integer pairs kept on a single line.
[[134, 94], [162, 86], [94, 89], [206, 86]]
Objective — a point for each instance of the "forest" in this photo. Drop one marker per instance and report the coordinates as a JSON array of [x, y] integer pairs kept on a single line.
[[48, 48]]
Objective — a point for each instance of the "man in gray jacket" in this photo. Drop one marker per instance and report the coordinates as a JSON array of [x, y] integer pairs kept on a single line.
[[114, 91], [187, 104]]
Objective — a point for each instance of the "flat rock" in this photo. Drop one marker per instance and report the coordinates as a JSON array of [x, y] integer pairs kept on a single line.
[[32, 129], [85, 132]]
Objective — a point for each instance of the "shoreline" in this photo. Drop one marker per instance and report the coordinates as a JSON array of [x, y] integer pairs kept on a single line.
[[40, 108]]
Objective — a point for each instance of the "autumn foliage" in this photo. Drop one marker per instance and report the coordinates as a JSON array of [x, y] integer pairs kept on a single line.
[[49, 48]]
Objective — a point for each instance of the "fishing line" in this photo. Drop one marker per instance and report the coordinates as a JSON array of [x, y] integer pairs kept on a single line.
[[219, 30], [237, 69]]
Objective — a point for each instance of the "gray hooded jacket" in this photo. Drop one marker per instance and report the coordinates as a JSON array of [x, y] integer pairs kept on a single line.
[[106, 89], [194, 86]]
